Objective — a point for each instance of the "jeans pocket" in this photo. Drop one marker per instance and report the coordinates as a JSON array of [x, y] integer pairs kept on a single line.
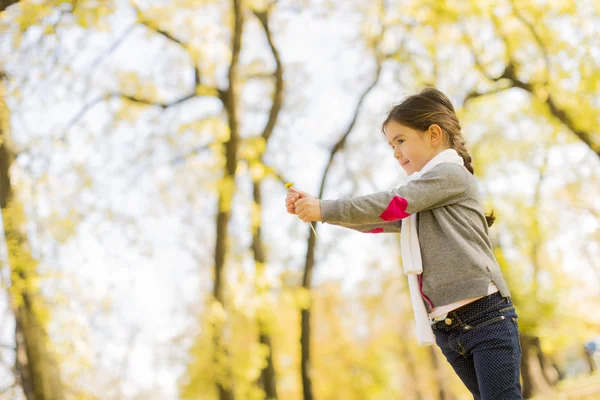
[[481, 322], [505, 309]]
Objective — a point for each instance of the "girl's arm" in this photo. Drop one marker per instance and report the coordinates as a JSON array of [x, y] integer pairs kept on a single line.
[[445, 184], [294, 195]]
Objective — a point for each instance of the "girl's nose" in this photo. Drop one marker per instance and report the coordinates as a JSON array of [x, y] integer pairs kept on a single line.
[[397, 153]]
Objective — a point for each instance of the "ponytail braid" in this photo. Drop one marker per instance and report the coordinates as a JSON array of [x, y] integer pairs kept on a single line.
[[457, 142]]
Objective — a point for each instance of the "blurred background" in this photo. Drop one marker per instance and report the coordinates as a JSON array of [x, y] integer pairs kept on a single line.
[[147, 252]]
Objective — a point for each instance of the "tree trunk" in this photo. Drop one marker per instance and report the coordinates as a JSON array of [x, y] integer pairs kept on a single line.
[[229, 98], [589, 358], [307, 389], [309, 261], [37, 370], [267, 375], [4, 4], [440, 378], [534, 364], [534, 380], [408, 355], [548, 368]]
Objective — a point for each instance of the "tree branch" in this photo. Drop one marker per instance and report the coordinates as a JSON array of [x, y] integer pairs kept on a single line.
[[510, 74], [475, 94], [4, 4], [508, 50], [474, 52], [197, 150], [198, 90], [100, 58], [153, 103], [555, 109], [148, 24], [561, 115], [123, 96], [537, 38], [339, 145], [263, 17]]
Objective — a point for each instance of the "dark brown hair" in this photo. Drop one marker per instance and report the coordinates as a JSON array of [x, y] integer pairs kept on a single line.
[[429, 107]]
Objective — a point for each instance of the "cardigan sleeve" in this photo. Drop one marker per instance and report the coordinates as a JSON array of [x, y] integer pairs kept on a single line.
[[445, 184]]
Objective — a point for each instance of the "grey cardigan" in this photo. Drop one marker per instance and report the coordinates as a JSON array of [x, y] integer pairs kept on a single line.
[[458, 261]]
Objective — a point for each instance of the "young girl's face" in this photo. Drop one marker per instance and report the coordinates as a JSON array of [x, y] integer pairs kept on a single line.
[[412, 149]]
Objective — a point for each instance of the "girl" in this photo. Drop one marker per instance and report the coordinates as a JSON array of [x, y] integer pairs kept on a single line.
[[456, 285]]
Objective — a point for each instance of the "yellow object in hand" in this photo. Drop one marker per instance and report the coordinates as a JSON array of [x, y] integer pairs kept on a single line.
[[289, 185], [313, 229]]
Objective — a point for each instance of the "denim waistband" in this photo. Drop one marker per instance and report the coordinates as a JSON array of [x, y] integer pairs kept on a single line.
[[471, 310]]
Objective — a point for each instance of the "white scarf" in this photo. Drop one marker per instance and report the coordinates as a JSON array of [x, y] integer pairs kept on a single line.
[[411, 252]]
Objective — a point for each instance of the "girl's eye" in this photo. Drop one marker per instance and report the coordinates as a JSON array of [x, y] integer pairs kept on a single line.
[[400, 141]]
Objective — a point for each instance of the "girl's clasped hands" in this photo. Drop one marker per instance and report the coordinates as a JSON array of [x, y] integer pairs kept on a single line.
[[302, 204]]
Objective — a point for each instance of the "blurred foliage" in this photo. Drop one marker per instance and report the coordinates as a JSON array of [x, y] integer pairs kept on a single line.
[[523, 75]]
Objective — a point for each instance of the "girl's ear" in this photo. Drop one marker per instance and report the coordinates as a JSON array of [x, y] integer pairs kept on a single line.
[[435, 134]]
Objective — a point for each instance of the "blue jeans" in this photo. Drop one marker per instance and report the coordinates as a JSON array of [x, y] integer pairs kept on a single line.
[[481, 342]]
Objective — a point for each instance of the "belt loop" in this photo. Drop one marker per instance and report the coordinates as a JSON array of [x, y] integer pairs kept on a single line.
[[437, 319], [455, 315]]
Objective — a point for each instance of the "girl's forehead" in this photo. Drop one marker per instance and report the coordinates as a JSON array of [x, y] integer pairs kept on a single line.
[[394, 128]]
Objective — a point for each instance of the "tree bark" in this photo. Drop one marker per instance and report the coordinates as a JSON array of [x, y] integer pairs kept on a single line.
[[440, 379], [534, 380], [591, 362], [309, 261], [268, 375], [230, 99], [4, 4], [37, 370], [549, 369], [409, 357]]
